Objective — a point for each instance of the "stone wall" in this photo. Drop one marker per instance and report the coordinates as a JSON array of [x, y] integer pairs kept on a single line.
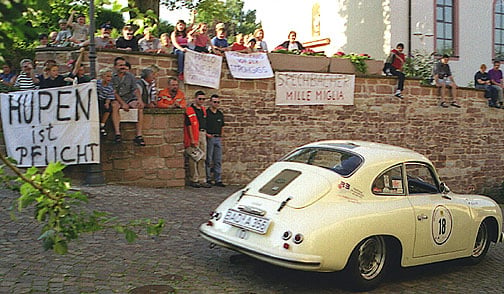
[[466, 144]]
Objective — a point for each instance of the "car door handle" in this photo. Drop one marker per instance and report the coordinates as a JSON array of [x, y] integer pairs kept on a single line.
[[422, 217]]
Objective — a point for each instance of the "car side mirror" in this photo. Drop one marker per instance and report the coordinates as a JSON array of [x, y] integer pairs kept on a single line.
[[444, 188]]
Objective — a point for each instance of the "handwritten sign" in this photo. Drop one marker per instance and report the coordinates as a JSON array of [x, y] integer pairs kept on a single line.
[[202, 69], [249, 66], [49, 125], [302, 88]]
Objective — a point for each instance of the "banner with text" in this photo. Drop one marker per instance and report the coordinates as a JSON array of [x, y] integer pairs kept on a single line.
[[49, 125], [303, 88], [249, 66], [202, 69]]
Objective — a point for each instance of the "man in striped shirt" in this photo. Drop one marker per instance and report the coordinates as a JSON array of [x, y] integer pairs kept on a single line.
[[26, 80]]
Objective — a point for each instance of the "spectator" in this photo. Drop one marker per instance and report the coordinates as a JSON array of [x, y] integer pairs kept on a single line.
[[495, 76], [145, 86], [108, 103], [64, 35], [8, 77], [26, 80], [215, 123], [251, 45], [397, 60], [166, 46], [128, 95], [104, 41], [43, 41], [127, 41], [261, 44], [78, 71], [291, 44], [149, 43], [482, 81], [219, 42], [444, 79], [239, 44], [199, 35], [171, 97], [80, 29], [54, 80], [180, 42], [195, 140], [46, 70], [52, 38], [154, 91]]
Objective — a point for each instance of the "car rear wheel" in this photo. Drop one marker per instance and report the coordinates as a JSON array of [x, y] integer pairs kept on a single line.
[[367, 265], [481, 244]]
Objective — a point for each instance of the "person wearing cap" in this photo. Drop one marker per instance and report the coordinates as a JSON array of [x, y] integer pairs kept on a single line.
[[444, 79], [80, 29], [219, 42], [104, 41], [127, 41], [26, 80], [64, 34]]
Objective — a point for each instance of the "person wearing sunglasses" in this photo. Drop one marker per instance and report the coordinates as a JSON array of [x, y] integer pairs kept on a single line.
[[26, 80], [195, 142], [214, 123], [127, 41]]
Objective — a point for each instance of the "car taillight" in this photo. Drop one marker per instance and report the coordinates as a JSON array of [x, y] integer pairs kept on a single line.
[[298, 238], [209, 223], [286, 245]]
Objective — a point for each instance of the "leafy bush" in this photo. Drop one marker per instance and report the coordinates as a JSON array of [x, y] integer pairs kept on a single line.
[[420, 65], [356, 59]]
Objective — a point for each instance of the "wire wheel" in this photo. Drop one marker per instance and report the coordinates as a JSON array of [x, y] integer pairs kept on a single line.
[[481, 242], [371, 257]]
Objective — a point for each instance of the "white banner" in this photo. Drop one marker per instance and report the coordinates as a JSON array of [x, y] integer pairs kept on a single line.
[[304, 88], [249, 66], [49, 125], [202, 69]]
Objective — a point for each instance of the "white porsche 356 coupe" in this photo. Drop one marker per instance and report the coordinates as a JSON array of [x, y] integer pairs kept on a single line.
[[354, 206]]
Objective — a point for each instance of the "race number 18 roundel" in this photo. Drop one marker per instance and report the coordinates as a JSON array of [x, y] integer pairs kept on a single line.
[[441, 224]]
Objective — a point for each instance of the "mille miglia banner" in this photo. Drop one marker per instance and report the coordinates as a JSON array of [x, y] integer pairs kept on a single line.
[[49, 125], [306, 88]]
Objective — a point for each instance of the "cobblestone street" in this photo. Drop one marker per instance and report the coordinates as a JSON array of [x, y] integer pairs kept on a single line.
[[180, 259]]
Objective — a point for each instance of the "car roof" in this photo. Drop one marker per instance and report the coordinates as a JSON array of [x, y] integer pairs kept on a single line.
[[373, 152]]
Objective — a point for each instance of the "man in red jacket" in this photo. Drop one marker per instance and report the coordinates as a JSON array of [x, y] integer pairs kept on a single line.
[[195, 141], [397, 59]]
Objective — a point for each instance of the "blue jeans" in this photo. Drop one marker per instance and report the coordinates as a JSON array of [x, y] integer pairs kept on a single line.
[[180, 60], [214, 159]]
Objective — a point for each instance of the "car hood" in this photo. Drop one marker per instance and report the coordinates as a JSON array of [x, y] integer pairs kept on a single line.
[[302, 183]]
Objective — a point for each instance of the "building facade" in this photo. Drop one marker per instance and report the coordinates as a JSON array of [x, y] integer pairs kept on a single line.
[[472, 32]]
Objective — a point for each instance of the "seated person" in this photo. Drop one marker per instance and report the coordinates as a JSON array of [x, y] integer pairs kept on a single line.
[[291, 44], [239, 44], [219, 42], [104, 41], [251, 45], [80, 29], [482, 81], [43, 41], [27, 79], [78, 71], [199, 36], [444, 79], [166, 45], [127, 41], [7, 77], [171, 97], [149, 43], [64, 35], [54, 80]]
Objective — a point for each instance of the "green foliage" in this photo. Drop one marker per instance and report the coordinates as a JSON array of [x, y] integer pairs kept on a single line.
[[112, 17], [358, 60], [420, 66], [59, 208], [179, 4]]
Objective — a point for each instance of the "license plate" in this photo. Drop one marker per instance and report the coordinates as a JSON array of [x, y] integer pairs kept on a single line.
[[247, 221]]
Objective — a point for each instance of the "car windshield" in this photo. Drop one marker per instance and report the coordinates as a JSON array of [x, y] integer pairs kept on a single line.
[[341, 162]]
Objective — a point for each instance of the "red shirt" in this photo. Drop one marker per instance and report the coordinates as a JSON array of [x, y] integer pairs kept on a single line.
[[238, 47], [399, 59]]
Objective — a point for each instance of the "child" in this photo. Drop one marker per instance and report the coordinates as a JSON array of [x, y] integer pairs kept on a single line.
[[108, 103], [219, 42], [80, 29], [200, 38], [239, 44], [64, 35]]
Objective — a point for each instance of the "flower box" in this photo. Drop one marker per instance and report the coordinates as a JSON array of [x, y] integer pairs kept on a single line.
[[292, 62], [341, 65], [374, 67]]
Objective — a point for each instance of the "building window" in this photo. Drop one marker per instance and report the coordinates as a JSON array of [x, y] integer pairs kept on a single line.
[[499, 30], [445, 23]]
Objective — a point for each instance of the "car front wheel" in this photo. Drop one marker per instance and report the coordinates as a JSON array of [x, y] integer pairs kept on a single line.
[[367, 265], [481, 244]]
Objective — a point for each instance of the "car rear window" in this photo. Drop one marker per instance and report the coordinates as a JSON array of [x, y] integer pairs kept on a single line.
[[339, 161]]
